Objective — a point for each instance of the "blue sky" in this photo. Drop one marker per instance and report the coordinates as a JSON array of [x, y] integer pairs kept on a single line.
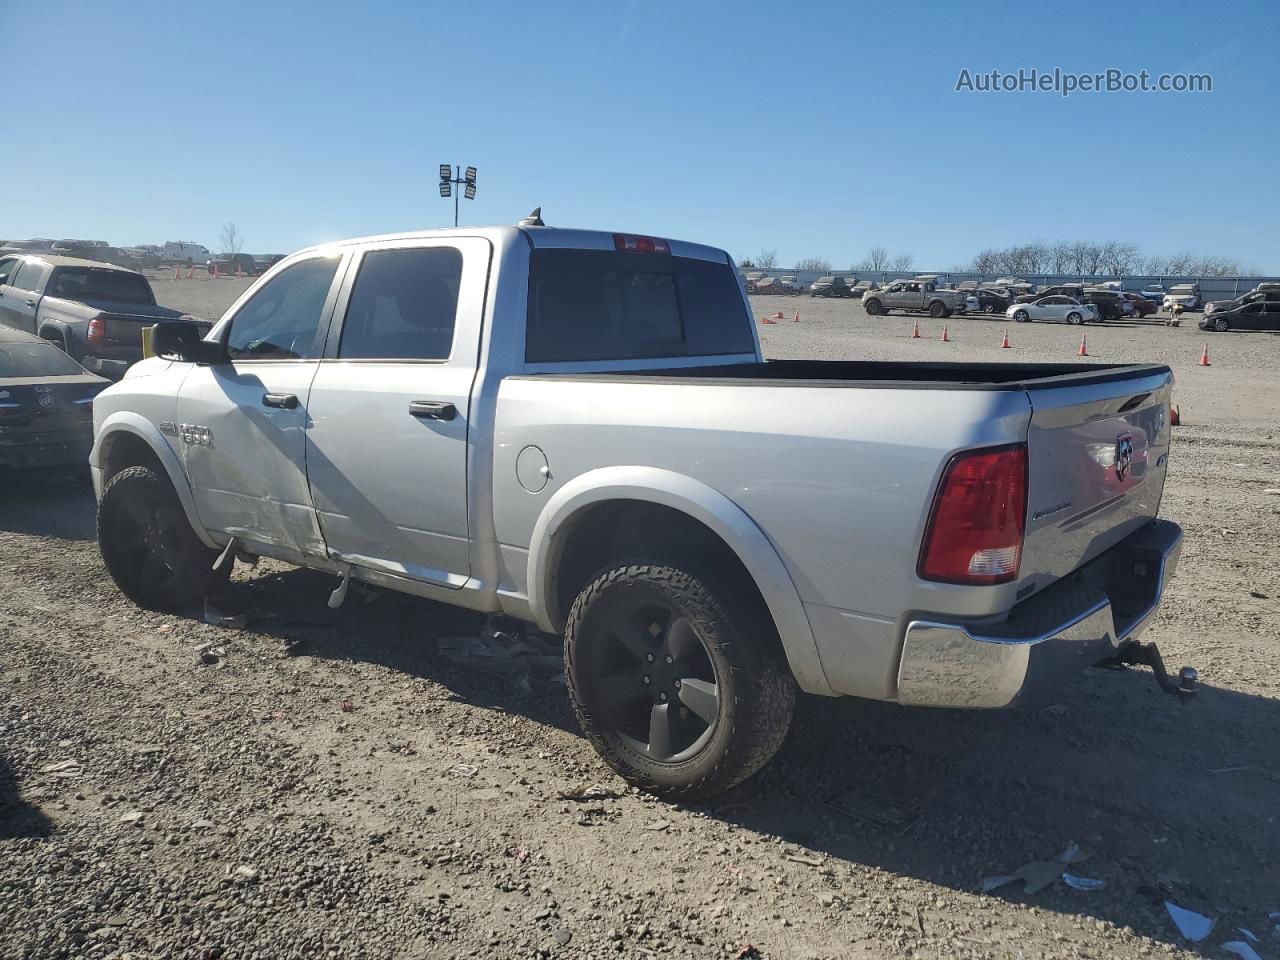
[[811, 128]]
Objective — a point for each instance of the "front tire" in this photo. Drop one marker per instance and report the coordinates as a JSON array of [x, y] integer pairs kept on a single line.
[[1021, 316], [147, 544], [680, 696], [874, 308], [1221, 325]]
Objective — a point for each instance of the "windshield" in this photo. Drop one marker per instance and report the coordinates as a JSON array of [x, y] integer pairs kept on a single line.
[[606, 305], [35, 360], [89, 283]]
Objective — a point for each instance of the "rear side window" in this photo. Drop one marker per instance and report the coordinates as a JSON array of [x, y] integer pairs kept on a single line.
[[606, 305], [403, 305], [112, 286]]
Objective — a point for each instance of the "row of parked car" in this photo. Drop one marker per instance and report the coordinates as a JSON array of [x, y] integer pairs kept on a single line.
[[173, 253], [1259, 309]]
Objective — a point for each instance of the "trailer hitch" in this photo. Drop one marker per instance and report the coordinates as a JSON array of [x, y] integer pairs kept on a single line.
[[1136, 653]]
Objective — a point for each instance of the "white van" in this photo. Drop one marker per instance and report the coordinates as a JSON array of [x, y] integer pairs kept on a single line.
[[179, 251]]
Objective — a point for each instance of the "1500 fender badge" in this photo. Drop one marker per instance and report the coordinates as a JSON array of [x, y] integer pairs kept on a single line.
[[195, 434]]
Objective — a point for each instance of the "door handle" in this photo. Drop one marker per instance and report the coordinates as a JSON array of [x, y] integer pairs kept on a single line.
[[432, 410], [286, 401], [31, 303]]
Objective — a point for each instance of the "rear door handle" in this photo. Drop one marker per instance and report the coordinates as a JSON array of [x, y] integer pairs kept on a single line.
[[31, 303], [286, 401], [432, 410]]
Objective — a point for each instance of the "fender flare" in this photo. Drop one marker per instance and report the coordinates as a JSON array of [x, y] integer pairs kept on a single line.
[[61, 327], [702, 503], [125, 421]]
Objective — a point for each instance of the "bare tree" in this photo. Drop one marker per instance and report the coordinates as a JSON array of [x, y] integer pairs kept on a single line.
[[877, 258], [767, 259], [817, 264], [902, 262], [230, 238]]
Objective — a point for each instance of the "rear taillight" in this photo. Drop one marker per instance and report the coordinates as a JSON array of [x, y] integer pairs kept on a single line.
[[97, 332], [632, 244], [978, 519]]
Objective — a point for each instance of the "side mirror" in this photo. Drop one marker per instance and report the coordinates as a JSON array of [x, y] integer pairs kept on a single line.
[[183, 341]]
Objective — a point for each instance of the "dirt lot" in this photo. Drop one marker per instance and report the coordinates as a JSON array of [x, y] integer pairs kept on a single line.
[[328, 784]]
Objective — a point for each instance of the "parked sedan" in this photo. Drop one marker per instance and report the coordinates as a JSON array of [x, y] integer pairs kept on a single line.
[[1142, 307], [1258, 315], [990, 301], [46, 404], [830, 287], [1053, 308]]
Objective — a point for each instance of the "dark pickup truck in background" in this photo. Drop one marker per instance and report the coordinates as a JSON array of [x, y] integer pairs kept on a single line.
[[94, 311]]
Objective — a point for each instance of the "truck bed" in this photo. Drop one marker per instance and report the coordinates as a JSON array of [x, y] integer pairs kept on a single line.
[[890, 374]]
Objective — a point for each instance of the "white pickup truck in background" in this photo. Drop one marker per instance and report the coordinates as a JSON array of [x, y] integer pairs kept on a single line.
[[577, 429]]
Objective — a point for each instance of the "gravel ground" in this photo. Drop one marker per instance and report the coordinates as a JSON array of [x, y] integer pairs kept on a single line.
[[322, 783]]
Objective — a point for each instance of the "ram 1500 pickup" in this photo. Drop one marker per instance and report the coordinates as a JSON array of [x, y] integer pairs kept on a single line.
[[577, 429], [915, 296], [94, 311]]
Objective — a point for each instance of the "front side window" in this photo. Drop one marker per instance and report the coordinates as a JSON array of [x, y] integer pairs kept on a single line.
[[282, 320], [8, 268], [403, 305]]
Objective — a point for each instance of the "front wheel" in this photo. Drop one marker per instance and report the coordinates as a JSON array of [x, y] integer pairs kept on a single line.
[[148, 545], [1021, 316], [937, 309], [1074, 318], [680, 696], [1221, 325], [873, 307]]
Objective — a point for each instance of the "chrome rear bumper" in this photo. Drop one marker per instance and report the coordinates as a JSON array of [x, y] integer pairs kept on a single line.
[[1073, 624]]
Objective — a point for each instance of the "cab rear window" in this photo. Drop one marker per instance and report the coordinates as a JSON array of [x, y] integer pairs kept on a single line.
[[607, 305]]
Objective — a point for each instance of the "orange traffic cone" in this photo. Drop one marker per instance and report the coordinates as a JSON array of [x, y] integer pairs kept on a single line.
[[778, 315], [1084, 350], [1204, 356], [768, 320], [239, 271], [915, 332], [191, 271], [177, 274], [945, 337], [797, 318], [1004, 344]]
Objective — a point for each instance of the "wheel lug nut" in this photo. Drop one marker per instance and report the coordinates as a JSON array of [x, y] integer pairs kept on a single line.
[[677, 684], [647, 681], [669, 660], [649, 657], [662, 697]]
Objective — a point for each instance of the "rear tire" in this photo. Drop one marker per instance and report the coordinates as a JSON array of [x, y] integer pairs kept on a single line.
[[1074, 318], [678, 695], [147, 544]]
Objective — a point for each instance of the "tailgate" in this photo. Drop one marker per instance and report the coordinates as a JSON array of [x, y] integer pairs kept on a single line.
[[1097, 456], [125, 329]]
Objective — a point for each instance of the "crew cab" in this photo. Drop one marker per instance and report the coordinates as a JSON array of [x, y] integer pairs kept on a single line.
[[577, 429], [915, 296], [94, 311]]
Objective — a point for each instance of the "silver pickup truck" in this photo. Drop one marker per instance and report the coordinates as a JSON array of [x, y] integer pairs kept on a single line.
[[915, 296], [577, 429]]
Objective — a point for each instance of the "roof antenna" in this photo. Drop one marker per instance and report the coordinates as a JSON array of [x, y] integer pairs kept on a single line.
[[534, 219]]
